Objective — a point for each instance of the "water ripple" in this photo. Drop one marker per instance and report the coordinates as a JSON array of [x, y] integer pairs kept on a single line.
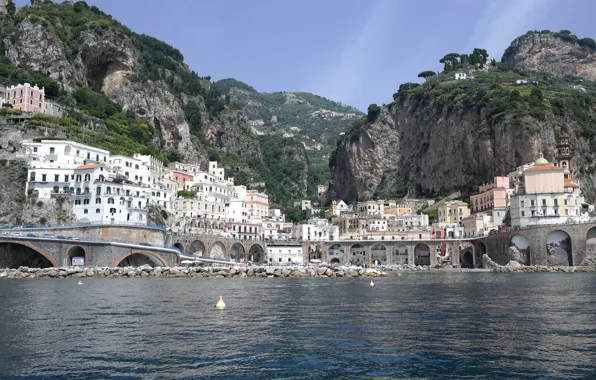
[[443, 325]]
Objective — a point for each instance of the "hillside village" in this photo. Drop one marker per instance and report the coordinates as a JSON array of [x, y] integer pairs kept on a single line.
[[105, 188]]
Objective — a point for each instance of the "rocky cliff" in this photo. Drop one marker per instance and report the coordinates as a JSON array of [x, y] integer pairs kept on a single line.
[[454, 136], [101, 60], [560, 54]]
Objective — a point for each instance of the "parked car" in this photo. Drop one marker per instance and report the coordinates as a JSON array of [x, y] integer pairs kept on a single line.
[[146, 244], [31, 235], [16, 234], [48, 236]]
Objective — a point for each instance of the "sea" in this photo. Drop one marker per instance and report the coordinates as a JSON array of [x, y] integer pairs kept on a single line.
[[446, 325]]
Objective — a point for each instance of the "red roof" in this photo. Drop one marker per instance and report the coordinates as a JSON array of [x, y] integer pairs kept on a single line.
[[90, 166], [569, 183], [545, 167]]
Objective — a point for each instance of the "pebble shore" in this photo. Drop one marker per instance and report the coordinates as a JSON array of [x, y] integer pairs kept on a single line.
[[148, 271]]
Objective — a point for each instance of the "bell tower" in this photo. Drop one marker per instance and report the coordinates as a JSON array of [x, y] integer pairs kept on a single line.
[[563, 156]]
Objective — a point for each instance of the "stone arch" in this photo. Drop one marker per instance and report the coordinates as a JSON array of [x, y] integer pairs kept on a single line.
[[256, 253], [237, 252], [164, 214], [335, 254], [357, 254], [467, 259], [14, 254], [138, 258], [591, 236], [379, 254], [315, 252], [76, 251], [197, 248], [422, 254], [180, 246], [218, 250], [400, 254], [519, 249], [559, 250]]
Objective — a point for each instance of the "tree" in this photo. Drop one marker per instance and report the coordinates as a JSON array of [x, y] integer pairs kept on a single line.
[[479, 57], [11, 8], [536, 93], [373, 111], [426, 74], [403, 88], [450, 60]]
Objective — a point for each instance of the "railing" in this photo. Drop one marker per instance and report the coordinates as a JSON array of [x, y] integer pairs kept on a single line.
[[85, 224]]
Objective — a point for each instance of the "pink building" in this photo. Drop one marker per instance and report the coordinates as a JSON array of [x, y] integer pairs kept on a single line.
[[491, 196], [257, 204], [26, 98], [182, 177]]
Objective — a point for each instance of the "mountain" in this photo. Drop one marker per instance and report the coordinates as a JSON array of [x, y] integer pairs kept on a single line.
[[307, 116], [559, 54], [448, 134], [129, 93]]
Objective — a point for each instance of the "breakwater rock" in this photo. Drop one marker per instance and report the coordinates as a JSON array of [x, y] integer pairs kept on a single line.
[[148, 271], [514, 266]]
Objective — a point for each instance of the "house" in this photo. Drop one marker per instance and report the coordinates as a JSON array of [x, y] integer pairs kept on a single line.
[[462, 75]]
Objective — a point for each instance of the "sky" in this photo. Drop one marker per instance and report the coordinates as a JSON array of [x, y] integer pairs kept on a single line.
[[356, 52]]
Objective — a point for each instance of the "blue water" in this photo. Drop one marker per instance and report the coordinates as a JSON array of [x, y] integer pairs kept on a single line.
[[441, 325]]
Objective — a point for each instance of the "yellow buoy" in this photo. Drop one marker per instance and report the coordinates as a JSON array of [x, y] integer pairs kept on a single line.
[[372, 283], [220, 303], [80, 282]]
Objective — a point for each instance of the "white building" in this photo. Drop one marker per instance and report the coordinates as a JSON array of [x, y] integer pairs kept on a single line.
[[279, 254], [315, 230], [547, 194]]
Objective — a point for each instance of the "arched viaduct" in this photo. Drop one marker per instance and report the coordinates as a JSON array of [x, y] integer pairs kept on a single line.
[[43, 253], [219, 247]]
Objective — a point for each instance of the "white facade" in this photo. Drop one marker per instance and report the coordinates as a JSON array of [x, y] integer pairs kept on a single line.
[[284, 254], [315, 230]]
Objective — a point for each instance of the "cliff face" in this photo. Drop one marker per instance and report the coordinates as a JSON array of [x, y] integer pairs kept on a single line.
[[548, 53], [422, 147], [102, 61]]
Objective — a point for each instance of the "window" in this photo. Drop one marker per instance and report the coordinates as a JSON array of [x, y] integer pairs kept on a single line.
[[97, 211], [532, 203], [65, 177], [85, 211], [88, 155], [110, 201], [112, 211], [523, 213], [43, 178], [98, 201], [77, 201], [98, 191], [35, 150], [566, 212], [544, 202], [85, 201], [565, 202], [52, 150], [32, 178], [556, 203]]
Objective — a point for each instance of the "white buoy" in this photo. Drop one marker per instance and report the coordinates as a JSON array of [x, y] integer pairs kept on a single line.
[[372, 283], [398, 274], [80, 282], [220, 303]]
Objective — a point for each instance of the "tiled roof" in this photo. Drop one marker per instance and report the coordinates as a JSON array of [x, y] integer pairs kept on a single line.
[[90, 166], [570, 183], [544, 167]]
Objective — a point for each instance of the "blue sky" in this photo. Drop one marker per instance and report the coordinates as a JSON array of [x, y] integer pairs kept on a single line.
[[354, 51]]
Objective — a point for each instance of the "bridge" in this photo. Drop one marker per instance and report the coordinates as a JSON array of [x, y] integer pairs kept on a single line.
[[123, 245]]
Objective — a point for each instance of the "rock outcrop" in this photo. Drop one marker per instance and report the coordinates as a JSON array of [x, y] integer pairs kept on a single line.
[[548, 53], [103, 61], [433, 148]]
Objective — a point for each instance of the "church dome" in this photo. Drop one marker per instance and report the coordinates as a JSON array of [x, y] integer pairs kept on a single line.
[[541, 160]]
